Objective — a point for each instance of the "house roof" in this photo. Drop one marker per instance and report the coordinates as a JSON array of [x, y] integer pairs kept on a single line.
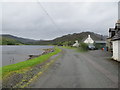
[[117, 36], [89, 40], [111, 29], [95, 38], [100, 41]]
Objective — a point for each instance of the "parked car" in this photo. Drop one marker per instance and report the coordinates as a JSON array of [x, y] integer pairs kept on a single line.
[[91, 47]]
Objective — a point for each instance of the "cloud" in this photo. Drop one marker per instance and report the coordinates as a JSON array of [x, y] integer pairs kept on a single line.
[[28, 19]]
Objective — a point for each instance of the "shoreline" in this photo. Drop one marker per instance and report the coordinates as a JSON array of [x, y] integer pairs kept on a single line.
[[18, 76], [45, 51], [16, 54]]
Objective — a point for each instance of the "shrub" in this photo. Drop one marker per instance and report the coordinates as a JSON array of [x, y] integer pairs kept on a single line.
[[83, 47]]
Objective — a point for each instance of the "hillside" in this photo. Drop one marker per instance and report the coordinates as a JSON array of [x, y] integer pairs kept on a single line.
[[64, 40], [8, 41], [70, 38], [5, 39]]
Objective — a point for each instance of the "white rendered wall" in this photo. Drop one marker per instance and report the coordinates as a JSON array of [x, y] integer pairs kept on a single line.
[[76, 44], [116, 50], [119, 50], [89, 40]]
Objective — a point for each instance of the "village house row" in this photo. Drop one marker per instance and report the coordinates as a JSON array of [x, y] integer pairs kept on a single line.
[[113, 41]]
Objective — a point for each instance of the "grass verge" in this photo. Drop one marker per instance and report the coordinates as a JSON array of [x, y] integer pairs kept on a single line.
[[81, 50], [28, 63], [68, 47], [78, 49]]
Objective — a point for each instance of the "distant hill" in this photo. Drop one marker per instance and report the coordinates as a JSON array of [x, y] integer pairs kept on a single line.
[[64, 40], [7, 39], [70, 38]]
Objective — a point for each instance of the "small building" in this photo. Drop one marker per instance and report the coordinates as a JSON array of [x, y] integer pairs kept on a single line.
[[100, 44], [76, 44], [116, 42]]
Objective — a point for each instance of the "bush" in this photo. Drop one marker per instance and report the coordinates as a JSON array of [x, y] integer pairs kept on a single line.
[[83, 47]]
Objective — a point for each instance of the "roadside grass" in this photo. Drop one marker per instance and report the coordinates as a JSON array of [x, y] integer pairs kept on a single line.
[[81, 50], [83, 47], [5, 70], [0, 73], [68, 47], [77, 49]]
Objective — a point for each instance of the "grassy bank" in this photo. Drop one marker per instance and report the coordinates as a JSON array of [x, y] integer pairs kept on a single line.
[[68, 47], [83, 48], [28, 63]]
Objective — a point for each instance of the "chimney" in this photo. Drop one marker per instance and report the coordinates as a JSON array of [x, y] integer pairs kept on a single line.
[[88, 36]]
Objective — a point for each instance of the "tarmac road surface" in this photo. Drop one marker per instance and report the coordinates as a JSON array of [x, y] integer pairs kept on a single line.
[[91, 69]]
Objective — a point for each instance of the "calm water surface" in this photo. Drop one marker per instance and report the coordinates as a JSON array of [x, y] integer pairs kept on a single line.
[[15, 54]]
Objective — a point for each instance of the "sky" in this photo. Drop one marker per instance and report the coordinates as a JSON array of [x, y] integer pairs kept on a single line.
[[48, 20]]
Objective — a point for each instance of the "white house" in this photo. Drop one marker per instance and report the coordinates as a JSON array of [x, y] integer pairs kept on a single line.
[[98, 44], [76, 44], [116, 50], [116, 42], [89, 40]]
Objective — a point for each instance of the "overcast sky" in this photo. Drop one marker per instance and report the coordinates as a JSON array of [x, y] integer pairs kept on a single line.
[[50, 20]]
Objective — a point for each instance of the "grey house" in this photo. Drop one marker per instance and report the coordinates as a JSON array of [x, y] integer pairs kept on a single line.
[[116, 42], [113, 42]]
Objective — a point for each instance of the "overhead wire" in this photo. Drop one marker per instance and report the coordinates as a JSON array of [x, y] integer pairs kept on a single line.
[[51, 19]]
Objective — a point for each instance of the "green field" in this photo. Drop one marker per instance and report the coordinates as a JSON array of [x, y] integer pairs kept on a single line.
[[28, 63]]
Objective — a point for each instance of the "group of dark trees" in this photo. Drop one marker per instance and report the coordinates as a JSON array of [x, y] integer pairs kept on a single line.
[[9, 41]]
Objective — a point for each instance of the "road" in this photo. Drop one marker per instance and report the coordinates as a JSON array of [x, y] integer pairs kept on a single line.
[[91, 69]]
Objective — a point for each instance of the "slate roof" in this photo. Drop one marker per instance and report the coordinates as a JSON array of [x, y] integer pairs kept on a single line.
[[117, 36], [111, 29], [100, 41]]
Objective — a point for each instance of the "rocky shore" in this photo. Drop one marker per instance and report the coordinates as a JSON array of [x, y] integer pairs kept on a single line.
[[46, 51]]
